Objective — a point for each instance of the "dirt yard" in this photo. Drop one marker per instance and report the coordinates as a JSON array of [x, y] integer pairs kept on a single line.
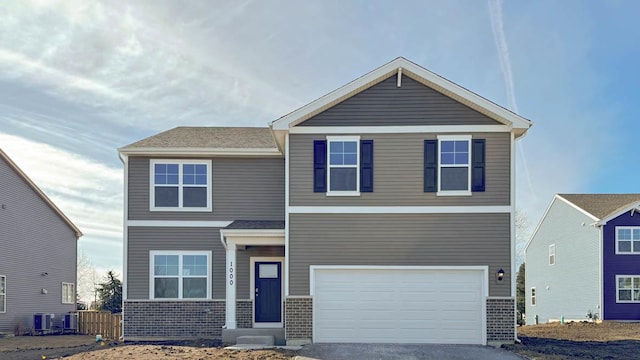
[[608, 340], [81, 347]]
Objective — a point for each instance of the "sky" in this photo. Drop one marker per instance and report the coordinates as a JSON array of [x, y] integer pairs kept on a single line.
[[79, 79]]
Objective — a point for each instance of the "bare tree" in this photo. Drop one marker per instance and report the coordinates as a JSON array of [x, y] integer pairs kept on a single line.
[[87, 279], [522, 234]]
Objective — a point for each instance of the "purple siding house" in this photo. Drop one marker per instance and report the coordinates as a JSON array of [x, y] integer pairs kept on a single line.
[[583, 257]]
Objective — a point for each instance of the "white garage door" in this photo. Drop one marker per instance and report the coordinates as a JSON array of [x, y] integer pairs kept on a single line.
[[398, 305]]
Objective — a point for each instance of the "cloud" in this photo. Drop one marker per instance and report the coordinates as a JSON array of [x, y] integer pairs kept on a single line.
[[497, 25], [141, 67]]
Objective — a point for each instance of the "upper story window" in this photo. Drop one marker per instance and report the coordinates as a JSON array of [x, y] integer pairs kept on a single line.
[[180, 185], [454, 165], [342, 166], [628, 240], [454, 171], [552, 254], [180, 275]]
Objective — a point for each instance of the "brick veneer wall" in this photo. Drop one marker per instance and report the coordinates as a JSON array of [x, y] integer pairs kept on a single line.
[[298, 317], [244, 314], [181, 319], [500, 319]]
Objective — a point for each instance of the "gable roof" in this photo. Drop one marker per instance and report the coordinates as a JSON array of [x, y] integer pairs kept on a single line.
[[602, 206], [207, 141], [40, 193], [416, 72]]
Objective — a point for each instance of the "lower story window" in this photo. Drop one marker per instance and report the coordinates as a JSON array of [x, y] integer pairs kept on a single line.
[[533, 296], [3, 294], [628, 288], [68, 293], [180, 274]]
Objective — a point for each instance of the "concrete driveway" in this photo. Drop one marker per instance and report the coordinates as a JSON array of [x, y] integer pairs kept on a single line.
[[404, 352]]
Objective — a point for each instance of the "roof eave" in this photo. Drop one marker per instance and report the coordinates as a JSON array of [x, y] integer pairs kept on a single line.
[[618, 212], [201, 152], [425, 76]]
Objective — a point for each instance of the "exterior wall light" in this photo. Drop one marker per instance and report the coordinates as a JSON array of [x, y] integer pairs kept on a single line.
[[500, 274]]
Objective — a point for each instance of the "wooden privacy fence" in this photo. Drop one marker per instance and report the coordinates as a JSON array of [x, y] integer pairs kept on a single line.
[[100, 322]]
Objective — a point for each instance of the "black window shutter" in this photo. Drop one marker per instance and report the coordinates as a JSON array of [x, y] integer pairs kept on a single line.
[[430, 165], [319, 166], [366, 165], [478, 164]]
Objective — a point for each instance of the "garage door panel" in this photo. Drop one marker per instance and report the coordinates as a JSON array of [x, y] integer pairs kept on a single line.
[[398, 306]]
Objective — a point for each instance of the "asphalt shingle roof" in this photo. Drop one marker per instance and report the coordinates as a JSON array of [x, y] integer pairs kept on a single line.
[[601, 205], [210, 138]]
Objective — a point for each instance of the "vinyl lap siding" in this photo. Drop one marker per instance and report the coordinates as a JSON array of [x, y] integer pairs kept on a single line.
[[398, 173], [34, 240], [425, 239], [573, 282], [142, 240], [388, 105], [250, 189]]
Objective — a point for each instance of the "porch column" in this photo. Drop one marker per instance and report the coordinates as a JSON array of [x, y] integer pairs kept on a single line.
[[231, 286]]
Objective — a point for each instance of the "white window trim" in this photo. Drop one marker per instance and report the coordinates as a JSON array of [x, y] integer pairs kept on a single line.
[[152, 254], [533, 297], [4, 307], [632, 288], [441, 192], [329, 166], [552, 254], [152, 185], [64, 293], [626, 252]]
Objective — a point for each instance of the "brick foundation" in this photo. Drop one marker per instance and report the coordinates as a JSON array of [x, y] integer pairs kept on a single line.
[[298, 317], [181, 319], [500, 319]]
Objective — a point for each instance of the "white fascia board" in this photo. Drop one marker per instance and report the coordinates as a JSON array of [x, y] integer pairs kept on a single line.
[[617, 213], [436, 129], [200, 152], [398, 209], [591, 216], [535, 231], [176, 223], [431, 79]]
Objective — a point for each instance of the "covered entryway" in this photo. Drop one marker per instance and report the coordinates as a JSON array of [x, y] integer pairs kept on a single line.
[[263, 275], [378, 304]]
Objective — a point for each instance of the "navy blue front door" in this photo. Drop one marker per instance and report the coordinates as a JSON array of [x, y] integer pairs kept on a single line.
[[268, 292]]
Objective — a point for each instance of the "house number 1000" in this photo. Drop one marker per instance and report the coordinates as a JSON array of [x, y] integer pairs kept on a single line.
[[231, 273]]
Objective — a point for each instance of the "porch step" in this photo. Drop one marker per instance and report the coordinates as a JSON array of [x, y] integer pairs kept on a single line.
[[231, 336], [267, 340]]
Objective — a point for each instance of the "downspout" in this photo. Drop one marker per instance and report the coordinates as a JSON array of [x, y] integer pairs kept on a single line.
[[125, 232]]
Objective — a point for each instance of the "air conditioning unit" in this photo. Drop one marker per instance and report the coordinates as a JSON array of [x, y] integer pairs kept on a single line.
[[71, 321], [42, 322]]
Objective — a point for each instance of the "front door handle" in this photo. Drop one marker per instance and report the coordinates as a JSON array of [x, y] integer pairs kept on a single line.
[[256, 291]]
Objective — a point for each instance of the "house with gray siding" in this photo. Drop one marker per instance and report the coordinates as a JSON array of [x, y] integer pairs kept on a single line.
[[381, 212], [38, 256], [584, 257]]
